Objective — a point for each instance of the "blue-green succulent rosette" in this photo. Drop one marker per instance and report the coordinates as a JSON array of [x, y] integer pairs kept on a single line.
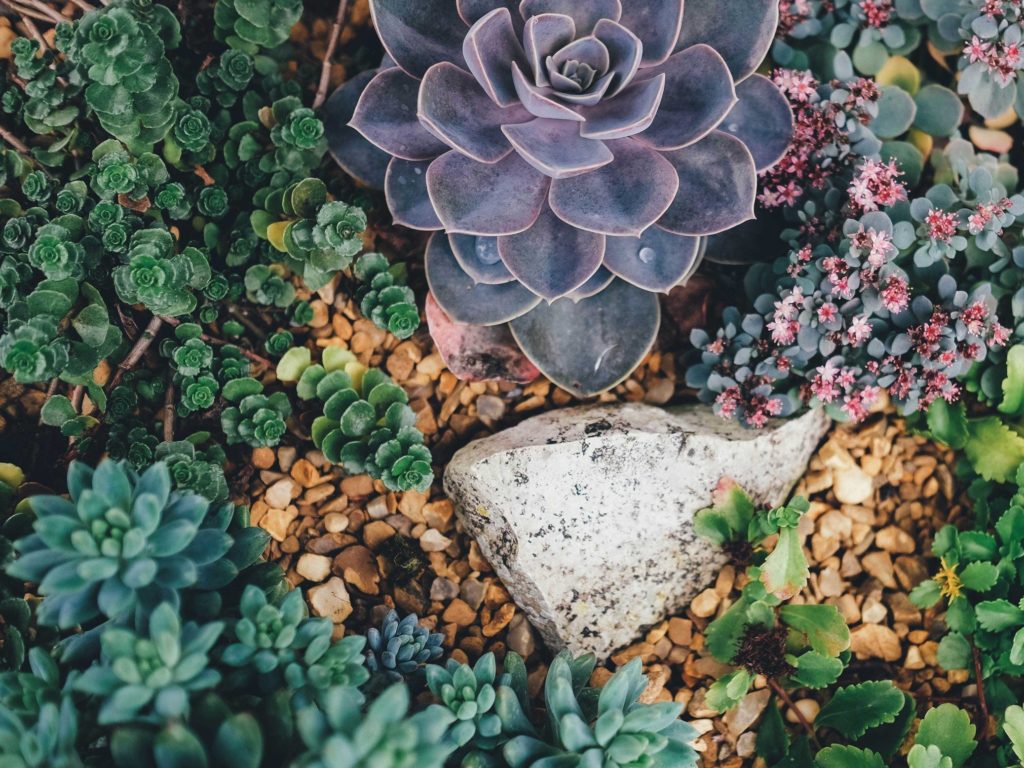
[[569, 157]]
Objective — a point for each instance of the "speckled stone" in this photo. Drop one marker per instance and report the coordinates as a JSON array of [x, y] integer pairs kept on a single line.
[[586, 513]]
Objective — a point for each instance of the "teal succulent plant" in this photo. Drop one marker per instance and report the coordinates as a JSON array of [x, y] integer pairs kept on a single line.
[[212, 737], [38, 720], [584, 728], [338, 733], [149, 677], [281, 643], [124, 543], [471, 695], [399, 649], [45, 741]]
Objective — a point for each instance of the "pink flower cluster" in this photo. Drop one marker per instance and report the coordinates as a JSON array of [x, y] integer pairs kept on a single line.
[[836, 383], [986, 213], [756, 407], [794, 12], [877, 13], [1002, 59], [941, 225], [821, 147], [925, 347], [876, 185]]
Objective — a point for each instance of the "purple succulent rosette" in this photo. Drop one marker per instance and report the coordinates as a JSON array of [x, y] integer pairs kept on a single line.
[[570, 156]]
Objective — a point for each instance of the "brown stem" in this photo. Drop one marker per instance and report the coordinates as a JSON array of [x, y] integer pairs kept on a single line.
[[77, 396], [174, 323], [84, 5], [13, 140], [44, 9], [982, 702], [24, 14], [781, 693], [141, 345], [51, 390], [169, 414], [243, 318], [325, 68]]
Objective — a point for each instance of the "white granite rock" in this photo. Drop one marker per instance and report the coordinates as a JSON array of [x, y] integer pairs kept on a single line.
[[587, 513]]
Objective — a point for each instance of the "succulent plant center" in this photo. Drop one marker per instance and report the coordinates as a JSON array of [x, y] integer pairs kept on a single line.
[[147, 660], [109, 531], [579, 72]]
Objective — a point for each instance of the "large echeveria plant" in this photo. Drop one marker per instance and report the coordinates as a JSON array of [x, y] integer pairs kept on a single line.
[[570, 157]]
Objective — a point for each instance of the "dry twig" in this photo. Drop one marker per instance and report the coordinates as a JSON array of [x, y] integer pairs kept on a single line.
[[325, 68], [141, 345]]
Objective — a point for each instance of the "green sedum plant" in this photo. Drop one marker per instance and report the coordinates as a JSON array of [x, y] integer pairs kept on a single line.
[[384, 297], [255, 419], [367, 425]]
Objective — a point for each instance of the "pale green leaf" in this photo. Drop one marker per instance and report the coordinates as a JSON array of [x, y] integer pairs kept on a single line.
[[950, 729], [823, 626]]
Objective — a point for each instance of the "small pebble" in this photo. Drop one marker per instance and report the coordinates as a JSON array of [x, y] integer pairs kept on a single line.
[[434, 541], [313, 567]]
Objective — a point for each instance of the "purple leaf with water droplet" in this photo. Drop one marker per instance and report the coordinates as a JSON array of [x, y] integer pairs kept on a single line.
[[589, 346]]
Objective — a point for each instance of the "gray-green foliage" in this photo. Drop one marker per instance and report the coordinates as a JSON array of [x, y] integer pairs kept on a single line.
[[282, 644], [583, 727], [150, 677], [124, 543], [341, 732]]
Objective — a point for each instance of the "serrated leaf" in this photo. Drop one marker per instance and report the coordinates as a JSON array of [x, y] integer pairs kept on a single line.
[[841, 756], [926, 594], [813, 670], [887, 739], [784, 572], [823, 626], [979, 577], [950, 729], [855, 709], [994, 450], [723, 635], [999, 615], [960, 616]]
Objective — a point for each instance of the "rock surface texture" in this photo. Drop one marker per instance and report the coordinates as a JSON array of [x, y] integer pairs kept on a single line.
[[587, 513]]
